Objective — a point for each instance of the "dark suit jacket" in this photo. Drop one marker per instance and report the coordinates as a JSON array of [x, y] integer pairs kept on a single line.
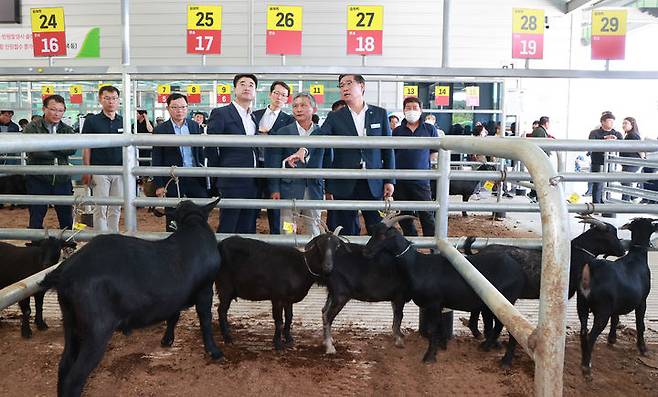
[[294, 187], [226, 120], [282, 120], [165, 156], [340, 123]]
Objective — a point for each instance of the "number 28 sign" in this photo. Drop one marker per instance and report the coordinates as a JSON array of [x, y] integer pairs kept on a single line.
[[527, 33], [204, 29], [48, 33], [365, 27]]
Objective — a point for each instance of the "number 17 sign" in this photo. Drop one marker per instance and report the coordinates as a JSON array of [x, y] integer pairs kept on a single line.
[[527, 33], [365, 27], [204, 29]]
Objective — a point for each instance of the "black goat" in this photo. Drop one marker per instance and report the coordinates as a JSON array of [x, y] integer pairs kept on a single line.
[[467, 188], [435, 284], [13, 184], [17, 263], [257, 271], [610, 288], [122, 283], [600, 239], [355, 276]]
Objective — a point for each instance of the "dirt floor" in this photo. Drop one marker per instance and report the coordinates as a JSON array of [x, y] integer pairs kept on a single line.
[[367, 363]]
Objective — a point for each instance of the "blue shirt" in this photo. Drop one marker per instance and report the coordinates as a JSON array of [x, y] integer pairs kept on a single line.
[[414, 159], [185, 151]]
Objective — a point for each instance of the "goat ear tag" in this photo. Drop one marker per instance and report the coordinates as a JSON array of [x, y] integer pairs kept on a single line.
[[289, 228], [79, 226], [574, 198], [488, 185]]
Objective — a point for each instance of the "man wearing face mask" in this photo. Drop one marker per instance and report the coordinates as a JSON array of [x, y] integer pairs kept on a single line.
[[415, 159]]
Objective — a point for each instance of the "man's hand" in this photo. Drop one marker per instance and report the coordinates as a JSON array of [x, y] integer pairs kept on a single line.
[[611, 136], [86, 179], [160, 192], [388, 190], [328, 196], [275, 196], [299, 155]]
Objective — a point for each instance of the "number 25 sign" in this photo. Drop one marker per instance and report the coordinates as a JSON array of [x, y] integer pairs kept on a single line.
[[48, 33], [204, 29], [365, 27]]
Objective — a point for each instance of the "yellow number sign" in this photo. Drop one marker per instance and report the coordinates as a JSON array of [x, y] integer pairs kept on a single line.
[[365, 17], [204, 17]]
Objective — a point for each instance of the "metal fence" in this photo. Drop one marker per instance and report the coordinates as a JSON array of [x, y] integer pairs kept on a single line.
[[544, 343]]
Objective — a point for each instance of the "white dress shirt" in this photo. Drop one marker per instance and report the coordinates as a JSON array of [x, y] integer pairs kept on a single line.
[[268, 119], [360, 120], [247, 122]]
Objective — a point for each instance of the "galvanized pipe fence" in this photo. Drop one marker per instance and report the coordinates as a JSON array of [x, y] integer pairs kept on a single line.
[[544, 343]]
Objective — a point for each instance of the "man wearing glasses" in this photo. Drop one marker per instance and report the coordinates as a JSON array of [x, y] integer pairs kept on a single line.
[[106, 218], [184, 156], [357, 119], [236, 119], [60, 185], [269, 120]]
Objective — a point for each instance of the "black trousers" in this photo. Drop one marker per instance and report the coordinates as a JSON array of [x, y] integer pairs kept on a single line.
[[405, 191], [349, 219], [36, 185]]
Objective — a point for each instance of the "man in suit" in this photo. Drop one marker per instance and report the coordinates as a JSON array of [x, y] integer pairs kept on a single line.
[[357, 119], [184, 156], [236, 119], [303, 108], [270, 120]]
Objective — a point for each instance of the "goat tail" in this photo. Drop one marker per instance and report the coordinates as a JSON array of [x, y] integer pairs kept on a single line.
[[467, 245], [52, 279], [585, 280]]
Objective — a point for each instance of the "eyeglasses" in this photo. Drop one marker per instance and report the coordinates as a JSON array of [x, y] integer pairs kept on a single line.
[[110, 98], [178, 107], [280, 94], [347, 84], [57, 110]]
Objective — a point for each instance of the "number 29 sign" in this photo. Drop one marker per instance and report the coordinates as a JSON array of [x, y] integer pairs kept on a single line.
[[48, 33], [365, 27], [204, 29], [527, 33]]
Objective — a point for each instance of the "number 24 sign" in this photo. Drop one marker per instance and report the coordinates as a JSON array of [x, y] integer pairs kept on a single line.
[[48, 32]]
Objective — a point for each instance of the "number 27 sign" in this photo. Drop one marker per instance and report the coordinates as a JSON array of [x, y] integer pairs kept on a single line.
[[365, 27]]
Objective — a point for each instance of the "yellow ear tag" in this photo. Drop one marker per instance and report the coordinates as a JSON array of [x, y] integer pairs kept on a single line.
[[574, 198], [289, 228], [79, 226], [488, 185]]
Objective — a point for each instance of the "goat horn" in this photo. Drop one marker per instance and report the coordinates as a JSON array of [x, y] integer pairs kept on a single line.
[[337, 230], [323, 225], [591, 220], [61, 234], [390, 222]]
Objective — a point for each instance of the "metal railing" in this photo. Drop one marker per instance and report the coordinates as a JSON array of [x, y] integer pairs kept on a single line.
[[544, 343]]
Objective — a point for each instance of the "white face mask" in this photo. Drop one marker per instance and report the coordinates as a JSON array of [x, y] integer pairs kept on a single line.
[[412, 115]]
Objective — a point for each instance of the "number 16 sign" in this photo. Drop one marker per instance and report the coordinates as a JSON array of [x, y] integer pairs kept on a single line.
[[48, 33], [365, 27]]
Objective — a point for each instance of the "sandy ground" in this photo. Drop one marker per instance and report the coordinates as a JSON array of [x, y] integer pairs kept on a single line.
[[367, 363]]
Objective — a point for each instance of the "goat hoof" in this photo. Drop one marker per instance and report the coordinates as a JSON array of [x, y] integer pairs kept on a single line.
[[228, 340], [429, 359], [167, 342], [330, 350], [26, 333], [42, 326], [443, 345], [399, 343], [587, 372], [612, 341], [643, 351], [278, 346], [484, 346], [216, 354], [289, 343]]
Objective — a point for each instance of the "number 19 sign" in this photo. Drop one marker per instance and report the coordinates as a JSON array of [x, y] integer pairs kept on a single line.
[[527, 33], [48, 33], [365, 27], [204, 29]]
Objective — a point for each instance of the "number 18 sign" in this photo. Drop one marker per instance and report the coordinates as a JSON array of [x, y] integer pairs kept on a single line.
[[527, 33], [204, 29], [48, 33], [365, 30]]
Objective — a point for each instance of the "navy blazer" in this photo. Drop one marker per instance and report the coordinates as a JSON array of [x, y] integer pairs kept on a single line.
[[166, 156], [294, 187], [226, 120], [282, 119], [340, 123]]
